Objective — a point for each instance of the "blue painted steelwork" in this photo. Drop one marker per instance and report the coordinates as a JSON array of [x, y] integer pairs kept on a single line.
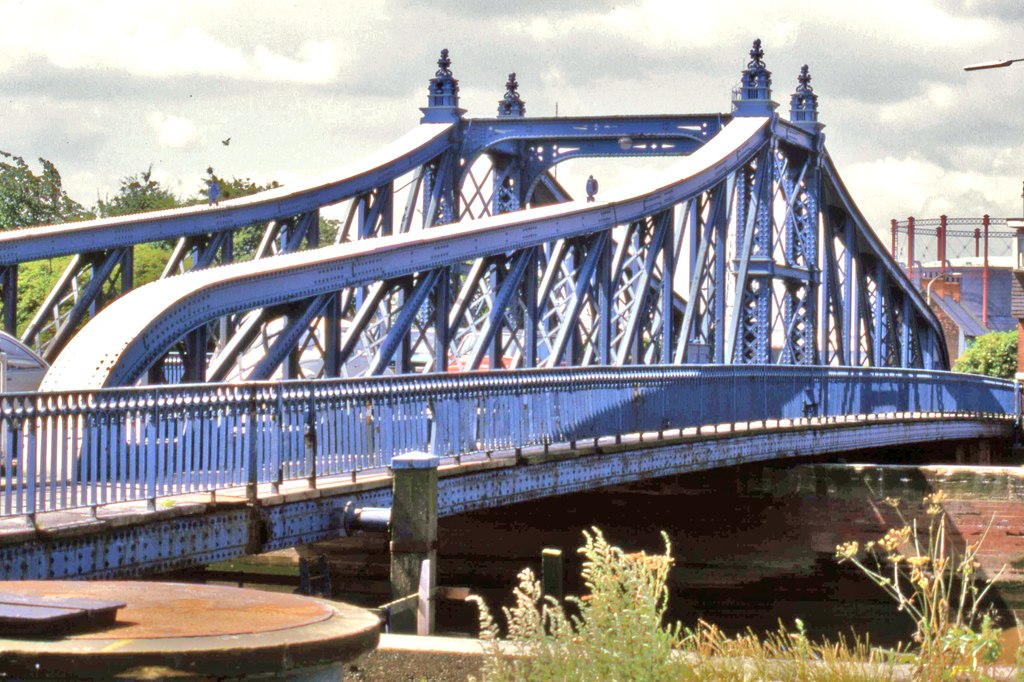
[[190, 534], [778, 264], [579, 299], [102, 248], [750, 256], [66, 450], [442, 175]]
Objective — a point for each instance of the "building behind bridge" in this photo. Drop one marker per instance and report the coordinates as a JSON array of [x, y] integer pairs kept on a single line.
[[964, 266]]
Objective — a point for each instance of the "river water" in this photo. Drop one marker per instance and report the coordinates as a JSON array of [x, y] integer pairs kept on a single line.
[[752, 545]]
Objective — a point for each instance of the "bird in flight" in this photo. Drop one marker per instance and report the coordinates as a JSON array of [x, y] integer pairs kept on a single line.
[[226, 142]]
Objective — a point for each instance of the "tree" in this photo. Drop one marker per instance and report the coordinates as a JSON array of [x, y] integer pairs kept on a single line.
[[138, 193], [29, 199], [994, 354], [247, 239]]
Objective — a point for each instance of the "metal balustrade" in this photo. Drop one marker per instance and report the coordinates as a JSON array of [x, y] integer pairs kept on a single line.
[[76, 449]]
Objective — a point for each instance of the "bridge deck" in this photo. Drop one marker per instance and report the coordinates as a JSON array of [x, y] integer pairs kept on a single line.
[[222, 525]]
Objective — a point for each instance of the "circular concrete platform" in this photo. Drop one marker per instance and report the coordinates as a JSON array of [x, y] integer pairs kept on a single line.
[[182, 632]]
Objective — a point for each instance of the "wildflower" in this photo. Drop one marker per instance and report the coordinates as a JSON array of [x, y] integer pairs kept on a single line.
[[918, 562], [934, 502], [894, 538], [893, 502], [847, 550]]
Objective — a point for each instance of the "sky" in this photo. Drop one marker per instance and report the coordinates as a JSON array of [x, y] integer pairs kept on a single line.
[[105, 89]]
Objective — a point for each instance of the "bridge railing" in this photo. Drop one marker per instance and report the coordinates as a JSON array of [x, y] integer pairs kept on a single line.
[[78, 449]]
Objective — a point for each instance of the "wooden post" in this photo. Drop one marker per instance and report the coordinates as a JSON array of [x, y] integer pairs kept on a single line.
[[414, 536], [552, 571]]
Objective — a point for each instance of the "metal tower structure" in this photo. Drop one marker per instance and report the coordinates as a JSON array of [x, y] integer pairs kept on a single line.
[[751, 252]]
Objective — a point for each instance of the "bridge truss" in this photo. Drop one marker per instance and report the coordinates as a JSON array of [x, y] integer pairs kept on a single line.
[[750, 252]]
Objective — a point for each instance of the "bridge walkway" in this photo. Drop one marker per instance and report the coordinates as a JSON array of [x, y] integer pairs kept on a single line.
[[131, 538]]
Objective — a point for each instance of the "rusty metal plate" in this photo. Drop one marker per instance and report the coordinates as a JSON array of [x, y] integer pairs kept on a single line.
[[25, 614], [164, 610]]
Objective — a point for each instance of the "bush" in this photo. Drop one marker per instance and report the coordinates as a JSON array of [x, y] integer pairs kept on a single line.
[[993, 354], [619, 634]]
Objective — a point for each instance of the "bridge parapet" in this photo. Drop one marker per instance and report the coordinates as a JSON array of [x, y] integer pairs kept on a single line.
[[81, 449]]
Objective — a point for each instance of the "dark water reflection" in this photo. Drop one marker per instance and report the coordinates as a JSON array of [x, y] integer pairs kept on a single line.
[[744, 558]]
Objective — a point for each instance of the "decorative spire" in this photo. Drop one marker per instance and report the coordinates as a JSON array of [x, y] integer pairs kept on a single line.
[[804, 80], [756, 53], [753, 97], [442, 65], [443, 100], [511, 105], [803, 104]]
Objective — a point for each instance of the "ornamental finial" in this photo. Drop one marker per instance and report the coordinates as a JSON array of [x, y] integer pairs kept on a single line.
[[803, 104], [804, 80], [511, 104], [511, 88], [756, 54], [443, 63], [753, 97], [443, 100]]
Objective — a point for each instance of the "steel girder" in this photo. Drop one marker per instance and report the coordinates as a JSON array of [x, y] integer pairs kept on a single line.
[[872, 315], [568, 274], [502, 168], [769, 275], [538, 144], [101, 267]]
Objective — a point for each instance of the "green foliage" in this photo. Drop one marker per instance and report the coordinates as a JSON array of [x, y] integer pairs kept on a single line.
[[246, 239], [150, 260], [138, 193], [329, 228], [28, 199], [994, 354], [616, 636], [619, 634], [35, 280]]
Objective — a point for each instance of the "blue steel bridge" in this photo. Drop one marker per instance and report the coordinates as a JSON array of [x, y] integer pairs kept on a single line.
[[739, 308]]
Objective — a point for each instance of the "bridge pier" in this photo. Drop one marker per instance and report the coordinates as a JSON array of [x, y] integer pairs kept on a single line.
[[977, 452]]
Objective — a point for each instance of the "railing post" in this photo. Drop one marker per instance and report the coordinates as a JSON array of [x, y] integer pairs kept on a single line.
[[414, 531], [30, 456], [252, 475], [149, 446], [310, 442], [942, 244]]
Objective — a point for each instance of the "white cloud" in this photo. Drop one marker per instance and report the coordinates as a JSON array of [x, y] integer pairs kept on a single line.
[[891, 187], [185, 38], [314, 62], [173, 131]]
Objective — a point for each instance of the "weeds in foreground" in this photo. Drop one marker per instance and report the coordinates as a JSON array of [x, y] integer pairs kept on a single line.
[[619, 634], [936, 584]]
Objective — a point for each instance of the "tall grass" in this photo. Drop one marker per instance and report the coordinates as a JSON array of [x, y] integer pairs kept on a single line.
[[937, 584], [617, 632]]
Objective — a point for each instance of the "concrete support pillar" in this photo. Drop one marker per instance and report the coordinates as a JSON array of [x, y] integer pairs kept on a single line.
[[414, 536], [984, 450], [974, 453]]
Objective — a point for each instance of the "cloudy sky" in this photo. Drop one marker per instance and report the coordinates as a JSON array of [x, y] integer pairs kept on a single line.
[[107, 88]]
